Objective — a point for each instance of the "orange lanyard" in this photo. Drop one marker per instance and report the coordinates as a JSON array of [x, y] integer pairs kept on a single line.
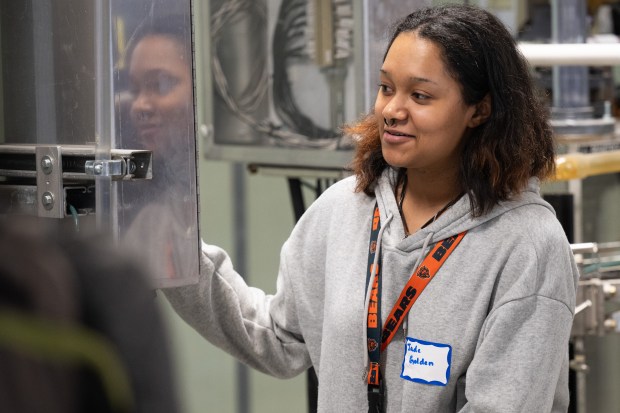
[[417, 282], [410, 293]]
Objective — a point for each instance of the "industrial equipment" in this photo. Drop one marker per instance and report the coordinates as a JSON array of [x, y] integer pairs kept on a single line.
[[80, 140]]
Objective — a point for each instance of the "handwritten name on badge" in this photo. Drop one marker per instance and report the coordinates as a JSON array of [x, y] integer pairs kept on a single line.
[[426, 362]]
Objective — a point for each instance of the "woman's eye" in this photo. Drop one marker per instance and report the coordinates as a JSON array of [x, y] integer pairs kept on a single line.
[[384, 88], [420, 96], [161, 84], [166, 83]]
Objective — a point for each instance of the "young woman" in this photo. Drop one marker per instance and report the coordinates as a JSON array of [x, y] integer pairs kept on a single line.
[[436, 279]]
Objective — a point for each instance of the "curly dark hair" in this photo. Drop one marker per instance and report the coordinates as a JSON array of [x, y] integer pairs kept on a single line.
[[514, 144], [176, 27]]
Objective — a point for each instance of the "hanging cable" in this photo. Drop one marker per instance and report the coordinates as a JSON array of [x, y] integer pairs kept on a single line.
[[289, 45]]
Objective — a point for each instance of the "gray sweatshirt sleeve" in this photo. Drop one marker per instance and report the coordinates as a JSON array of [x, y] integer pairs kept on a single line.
[[258, 329], [521, 359]]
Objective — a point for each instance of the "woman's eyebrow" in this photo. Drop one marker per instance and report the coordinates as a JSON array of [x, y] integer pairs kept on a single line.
[[413, 78]]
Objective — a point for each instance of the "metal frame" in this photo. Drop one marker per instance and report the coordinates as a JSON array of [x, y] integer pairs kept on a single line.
[[53, 170]]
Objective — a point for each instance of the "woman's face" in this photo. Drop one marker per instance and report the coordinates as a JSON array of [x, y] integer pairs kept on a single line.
[[423, 106], [161, 85]]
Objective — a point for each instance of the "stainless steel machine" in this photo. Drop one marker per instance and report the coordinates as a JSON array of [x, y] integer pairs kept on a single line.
[[597, 318], [97, 124]]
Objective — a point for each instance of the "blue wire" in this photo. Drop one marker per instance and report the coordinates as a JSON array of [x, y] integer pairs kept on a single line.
[[74, 214]]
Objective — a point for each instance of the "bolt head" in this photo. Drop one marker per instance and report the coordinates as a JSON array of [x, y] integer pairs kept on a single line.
[[47, 165], [47, 199]]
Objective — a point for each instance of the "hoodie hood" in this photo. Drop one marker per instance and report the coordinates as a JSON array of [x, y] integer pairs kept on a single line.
[[454, 220]]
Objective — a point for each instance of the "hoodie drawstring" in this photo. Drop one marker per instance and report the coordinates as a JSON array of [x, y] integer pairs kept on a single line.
[[369, 287]]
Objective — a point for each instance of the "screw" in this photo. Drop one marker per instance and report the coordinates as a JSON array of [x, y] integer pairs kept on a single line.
[[98, 169], [47, 165], [47, 199]]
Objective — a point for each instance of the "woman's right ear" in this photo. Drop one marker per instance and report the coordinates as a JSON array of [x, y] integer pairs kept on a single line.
[[482, 112]]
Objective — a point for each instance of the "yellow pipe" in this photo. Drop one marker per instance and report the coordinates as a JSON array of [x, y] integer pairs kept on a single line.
[[582, 165]]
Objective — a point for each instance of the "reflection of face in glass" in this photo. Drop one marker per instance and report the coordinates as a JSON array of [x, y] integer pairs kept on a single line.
[[160, 215], [161, 85]]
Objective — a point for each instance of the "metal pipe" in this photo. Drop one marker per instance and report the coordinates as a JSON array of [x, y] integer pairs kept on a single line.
[[586, 54], [104, 114], [570, 83], [581, 165], [240, 245]]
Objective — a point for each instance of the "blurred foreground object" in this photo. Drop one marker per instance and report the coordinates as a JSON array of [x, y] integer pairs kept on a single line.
[[79, 327]]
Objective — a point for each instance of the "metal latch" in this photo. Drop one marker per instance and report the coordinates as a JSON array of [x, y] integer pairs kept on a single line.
[[108, 167]]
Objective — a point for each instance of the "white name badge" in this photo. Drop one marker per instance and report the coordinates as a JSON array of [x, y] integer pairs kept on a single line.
[[426, 362]]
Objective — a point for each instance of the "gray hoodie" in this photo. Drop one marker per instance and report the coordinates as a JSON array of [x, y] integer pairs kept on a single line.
[[489, 333]]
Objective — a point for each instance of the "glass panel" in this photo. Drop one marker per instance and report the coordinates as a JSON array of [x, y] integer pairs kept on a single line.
[[89, 79], [284, 78], [155, 111]]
